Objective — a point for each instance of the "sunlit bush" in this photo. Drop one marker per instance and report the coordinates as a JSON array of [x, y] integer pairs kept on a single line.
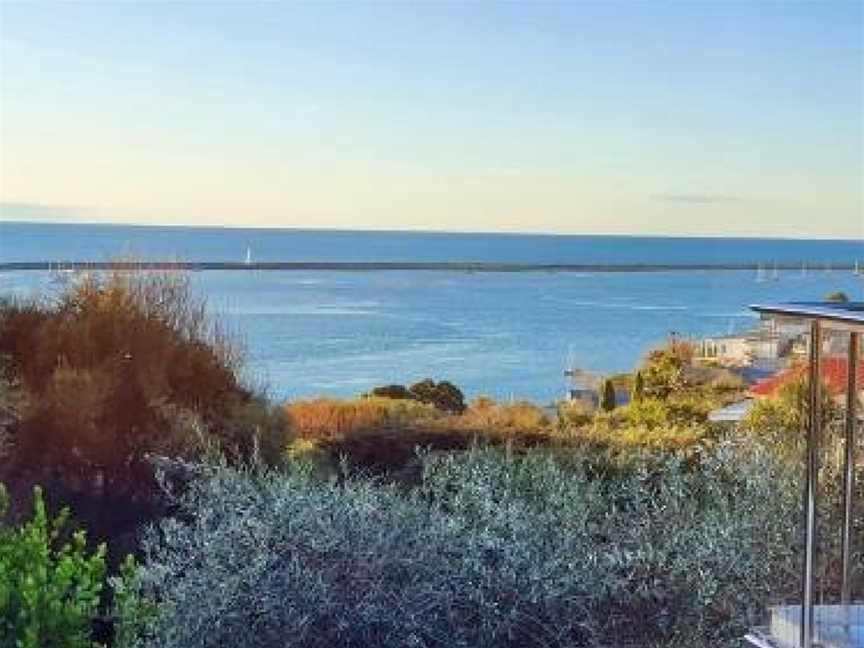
[[486, 415], [116, 367], [332, 417], [777, 422]]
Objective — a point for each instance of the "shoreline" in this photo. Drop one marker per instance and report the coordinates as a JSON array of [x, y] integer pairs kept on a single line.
[[434, 266]]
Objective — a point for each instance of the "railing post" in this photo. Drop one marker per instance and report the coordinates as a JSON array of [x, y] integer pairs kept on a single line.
[[814, 425], [849, 465]]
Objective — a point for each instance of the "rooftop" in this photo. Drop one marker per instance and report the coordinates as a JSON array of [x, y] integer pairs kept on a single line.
[[843, 315], [834, 372]]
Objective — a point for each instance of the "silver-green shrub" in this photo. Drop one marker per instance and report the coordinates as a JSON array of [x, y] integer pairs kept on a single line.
[[490, 550]]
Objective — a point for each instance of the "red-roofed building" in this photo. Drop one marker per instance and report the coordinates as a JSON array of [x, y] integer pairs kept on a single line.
[[834, 371]]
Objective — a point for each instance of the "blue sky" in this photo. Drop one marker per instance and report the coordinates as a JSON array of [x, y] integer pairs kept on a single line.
[[737, 118]]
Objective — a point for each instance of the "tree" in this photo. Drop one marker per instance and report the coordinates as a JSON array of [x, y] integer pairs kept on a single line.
[[638, 390], [396, 392], [663, 369], [837, 297], [444, 395], [607, 396]]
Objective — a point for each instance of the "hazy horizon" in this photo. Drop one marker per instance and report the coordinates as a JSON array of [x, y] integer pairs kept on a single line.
[[620, 119]]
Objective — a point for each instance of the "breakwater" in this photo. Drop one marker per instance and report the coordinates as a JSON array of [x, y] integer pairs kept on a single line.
[[372, 266]]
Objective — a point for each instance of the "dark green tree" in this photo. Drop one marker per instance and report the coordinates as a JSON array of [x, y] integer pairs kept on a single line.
[[837, 297], [638, 391], [607, 396], [397, 392], [444, 395]]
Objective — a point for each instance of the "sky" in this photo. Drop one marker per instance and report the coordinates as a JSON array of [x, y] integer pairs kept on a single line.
[[628, 117]]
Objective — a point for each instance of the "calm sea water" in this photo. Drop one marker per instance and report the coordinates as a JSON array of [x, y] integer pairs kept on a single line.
[[500, 334]]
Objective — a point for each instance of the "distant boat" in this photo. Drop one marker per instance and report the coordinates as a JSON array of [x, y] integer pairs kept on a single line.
[[856, 271], [760, 274], [803, 269], [57, 274], [248, 256], [775, 276]]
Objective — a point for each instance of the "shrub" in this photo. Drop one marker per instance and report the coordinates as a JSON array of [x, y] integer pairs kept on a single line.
[[663, 370], [396, 392], [330, 417], [490, 550], [118, 366], [443, 395], [492, 419], [573, 414], [647, 412], [50, 589], [778, 422]]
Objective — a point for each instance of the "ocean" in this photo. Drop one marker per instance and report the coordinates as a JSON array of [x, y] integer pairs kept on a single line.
[[507, 335]]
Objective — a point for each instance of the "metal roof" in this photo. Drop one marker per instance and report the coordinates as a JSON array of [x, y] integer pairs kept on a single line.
[[733, 413], [844, 315]]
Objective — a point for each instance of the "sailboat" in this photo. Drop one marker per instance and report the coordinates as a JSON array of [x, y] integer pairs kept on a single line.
[[760, 274], [248, 260], [856, 271], [775, 276]]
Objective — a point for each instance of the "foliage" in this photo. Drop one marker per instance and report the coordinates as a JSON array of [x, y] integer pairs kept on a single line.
[[117, 367], [491, 549], [607, 396], [573, 414], [50, 589], [663, 370], [837, 296], [444, 395], [330, 417], [676, 439], [132, 611], [779, 422], [638, 387], [396, 392], [500, 419]]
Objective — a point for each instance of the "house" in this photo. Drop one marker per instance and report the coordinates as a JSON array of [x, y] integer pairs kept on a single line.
[[733, 350], [833, 372], [765, 346]]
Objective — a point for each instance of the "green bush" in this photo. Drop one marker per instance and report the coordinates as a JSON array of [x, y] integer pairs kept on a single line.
[[50, 584], [777, 422], [492, 549]]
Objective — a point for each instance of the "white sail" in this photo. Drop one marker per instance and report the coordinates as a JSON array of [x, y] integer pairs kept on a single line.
[[760, 274]]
